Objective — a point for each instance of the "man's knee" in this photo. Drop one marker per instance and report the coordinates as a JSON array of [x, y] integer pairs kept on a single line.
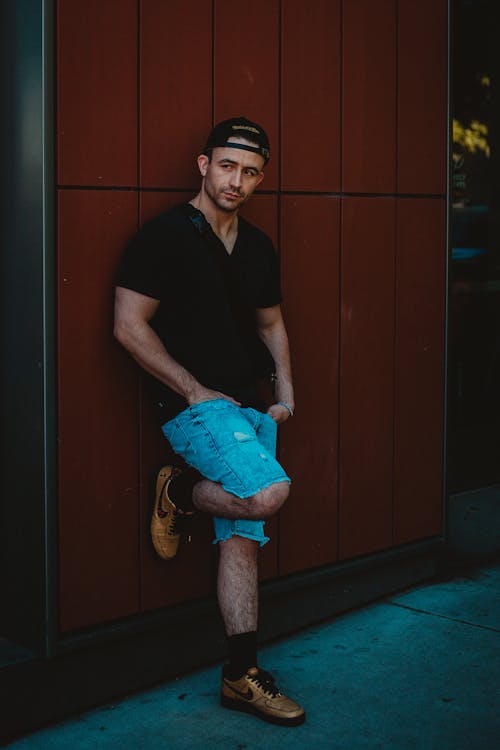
[[267, 502], [238, 546]]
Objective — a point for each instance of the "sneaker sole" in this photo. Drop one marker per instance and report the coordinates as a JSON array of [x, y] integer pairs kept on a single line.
[[247, 708]]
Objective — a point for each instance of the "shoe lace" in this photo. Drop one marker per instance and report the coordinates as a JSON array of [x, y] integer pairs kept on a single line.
[[266, 682], [175, 523]]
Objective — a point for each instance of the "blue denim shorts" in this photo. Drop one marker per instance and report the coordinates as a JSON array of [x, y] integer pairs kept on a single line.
[[234, 446]]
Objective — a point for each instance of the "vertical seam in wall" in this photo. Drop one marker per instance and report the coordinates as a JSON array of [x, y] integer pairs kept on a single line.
[[56, 600], [340, 215], [138, 104], [279, 216], [280, 124], [280, 96], [212, 560], [50, 65], [394, 366], [396, 114], [55, 82], [341, 93], [213, 63], [140, 488], [140, 479], [395, 281], [395, 278]]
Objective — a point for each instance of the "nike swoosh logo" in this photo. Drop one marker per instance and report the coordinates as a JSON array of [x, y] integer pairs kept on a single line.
[[248, 695]]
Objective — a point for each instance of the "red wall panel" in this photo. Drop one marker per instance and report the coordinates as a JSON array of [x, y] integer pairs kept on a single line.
[[366, 375], [311, 95], [419, 386], [98, 413], [153, 204], [422, 96], [246, 69], [176, 90], [97, 92], [310, 242], [369, 96]]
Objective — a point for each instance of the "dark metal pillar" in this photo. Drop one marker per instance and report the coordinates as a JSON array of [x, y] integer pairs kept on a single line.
[[27, 330]]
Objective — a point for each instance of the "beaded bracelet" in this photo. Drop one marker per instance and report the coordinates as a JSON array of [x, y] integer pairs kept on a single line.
[[282, 403]]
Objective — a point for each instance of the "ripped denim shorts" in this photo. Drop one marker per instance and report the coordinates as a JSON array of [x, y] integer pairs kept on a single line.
[[234, 446]]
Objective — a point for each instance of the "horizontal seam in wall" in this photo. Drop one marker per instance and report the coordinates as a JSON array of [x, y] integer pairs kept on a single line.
[[129, 188]]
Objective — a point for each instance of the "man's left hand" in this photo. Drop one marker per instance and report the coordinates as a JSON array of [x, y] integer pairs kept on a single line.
[[278, 413]]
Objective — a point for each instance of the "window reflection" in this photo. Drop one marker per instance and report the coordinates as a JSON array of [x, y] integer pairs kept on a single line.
[[474, 361]]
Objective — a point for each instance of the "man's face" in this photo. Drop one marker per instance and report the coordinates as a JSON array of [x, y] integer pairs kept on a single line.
[[231, 176]]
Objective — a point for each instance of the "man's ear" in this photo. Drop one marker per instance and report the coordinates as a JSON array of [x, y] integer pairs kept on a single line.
[[203, 163], [259, 179]]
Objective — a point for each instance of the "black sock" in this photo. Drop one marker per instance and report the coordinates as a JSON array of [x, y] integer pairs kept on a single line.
[[181, 488], [242, 654]]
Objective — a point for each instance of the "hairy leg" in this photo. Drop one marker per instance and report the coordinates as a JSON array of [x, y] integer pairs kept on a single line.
[[237, 584], [210, 497]]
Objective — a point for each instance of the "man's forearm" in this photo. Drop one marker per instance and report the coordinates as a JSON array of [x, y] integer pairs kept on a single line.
[[276, 340], [144, 345]]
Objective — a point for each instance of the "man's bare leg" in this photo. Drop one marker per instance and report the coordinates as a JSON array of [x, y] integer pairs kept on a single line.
[[210, 497], [238, 601], [237, 584]]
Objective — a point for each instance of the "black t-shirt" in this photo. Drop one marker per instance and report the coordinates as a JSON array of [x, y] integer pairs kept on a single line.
[[208, 297]]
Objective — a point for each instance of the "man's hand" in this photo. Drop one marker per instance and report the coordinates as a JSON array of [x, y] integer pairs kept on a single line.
[[207, 394], [278, 413]]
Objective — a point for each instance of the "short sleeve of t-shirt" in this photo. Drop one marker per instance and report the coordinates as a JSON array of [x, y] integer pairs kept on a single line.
[[140, 268]]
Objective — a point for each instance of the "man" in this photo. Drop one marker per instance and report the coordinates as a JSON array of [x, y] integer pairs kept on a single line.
[[198, 307]]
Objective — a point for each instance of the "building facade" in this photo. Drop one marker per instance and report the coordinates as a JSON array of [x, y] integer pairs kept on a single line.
[[109, 104]]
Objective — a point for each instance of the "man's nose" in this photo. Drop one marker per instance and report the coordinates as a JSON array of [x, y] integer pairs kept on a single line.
[[236, 178]]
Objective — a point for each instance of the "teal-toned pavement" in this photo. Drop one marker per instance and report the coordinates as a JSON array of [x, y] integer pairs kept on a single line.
[[418, 670]]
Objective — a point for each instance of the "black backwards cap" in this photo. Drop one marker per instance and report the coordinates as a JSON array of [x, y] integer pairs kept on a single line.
[[242, 128]]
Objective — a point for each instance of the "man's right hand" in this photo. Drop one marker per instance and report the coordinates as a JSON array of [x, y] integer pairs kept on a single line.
[[207, 394]]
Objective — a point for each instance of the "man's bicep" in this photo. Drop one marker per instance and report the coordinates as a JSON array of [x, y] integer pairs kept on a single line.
[[132, 307], [266, 317]]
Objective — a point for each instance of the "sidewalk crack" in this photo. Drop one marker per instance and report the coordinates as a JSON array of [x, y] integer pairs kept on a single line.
[[444, 617]]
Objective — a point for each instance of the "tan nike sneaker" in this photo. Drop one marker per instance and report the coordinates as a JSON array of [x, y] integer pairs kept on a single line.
[[166, 519], [256, 693]]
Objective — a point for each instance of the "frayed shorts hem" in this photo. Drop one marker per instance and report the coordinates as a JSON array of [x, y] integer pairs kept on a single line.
[[225, 528], [246, 535]]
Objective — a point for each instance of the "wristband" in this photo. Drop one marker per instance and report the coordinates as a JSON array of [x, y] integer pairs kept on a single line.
[[282, 403]]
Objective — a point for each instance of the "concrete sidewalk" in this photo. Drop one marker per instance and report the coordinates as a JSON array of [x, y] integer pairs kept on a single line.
[[418, 670]]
